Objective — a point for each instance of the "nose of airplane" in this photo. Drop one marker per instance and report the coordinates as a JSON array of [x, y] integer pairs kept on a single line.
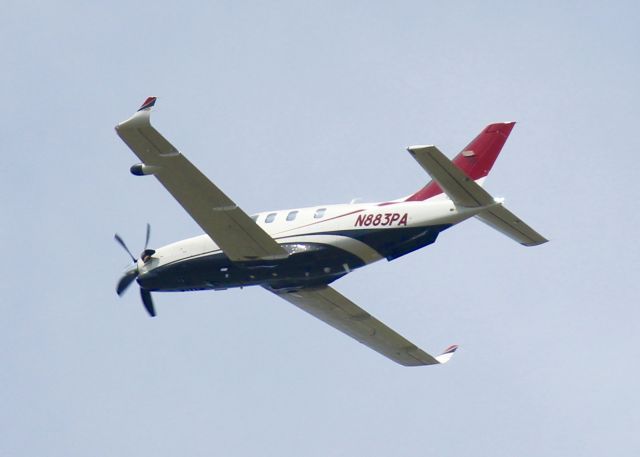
[[148, 279]]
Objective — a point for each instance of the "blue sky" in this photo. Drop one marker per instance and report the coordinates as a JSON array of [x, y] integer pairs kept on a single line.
[[302, 103]]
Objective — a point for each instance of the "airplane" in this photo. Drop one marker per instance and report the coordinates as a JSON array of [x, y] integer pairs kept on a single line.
[[296, 253]]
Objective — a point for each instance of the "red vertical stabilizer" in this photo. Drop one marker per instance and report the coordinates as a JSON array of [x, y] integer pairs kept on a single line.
[[476, 159]]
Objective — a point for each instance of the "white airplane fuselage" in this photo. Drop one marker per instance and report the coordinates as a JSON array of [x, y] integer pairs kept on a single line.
[[324, 243]]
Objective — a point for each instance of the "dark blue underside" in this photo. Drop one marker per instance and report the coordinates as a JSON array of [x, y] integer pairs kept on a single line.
[[315, 265], [394, 243]]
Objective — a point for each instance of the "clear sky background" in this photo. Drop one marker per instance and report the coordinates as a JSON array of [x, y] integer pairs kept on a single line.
[[287, 104]]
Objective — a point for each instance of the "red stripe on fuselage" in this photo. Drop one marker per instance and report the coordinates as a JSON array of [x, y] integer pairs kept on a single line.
[[320, 221]]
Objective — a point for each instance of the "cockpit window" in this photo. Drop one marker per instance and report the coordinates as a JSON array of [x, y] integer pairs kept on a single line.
[[255, 217], [270, 218], [292, 215], [319, 213]]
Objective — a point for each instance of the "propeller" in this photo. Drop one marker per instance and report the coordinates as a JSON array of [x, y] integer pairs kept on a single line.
[[133, 272], [147, 302]]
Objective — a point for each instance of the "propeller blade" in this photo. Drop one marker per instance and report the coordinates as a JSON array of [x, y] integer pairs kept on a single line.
[[146, 241], [147, 301], [122, 243], [126, 281]]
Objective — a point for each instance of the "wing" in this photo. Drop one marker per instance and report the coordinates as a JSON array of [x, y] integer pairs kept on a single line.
[[231, 229], [338, 311]]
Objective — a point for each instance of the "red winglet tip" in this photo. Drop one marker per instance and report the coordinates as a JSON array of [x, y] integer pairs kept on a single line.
[[451, 349], [148, 103]]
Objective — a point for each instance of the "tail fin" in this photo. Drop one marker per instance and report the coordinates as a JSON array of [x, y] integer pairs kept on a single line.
[[476, 159]]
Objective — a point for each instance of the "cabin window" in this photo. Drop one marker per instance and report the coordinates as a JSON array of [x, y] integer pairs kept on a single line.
[[270, 218], [319, 213], [292, 215], [255, 217]]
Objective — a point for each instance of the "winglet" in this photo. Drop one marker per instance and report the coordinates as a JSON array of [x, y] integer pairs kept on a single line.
[[148, 103], [447, 354]]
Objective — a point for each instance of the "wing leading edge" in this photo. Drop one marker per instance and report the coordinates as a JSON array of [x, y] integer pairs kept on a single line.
[[239, 237], [338, 311]]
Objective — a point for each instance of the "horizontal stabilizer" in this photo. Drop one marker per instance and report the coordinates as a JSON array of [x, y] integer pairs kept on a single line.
[[504, 221], [453, 181], [465, 192]]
